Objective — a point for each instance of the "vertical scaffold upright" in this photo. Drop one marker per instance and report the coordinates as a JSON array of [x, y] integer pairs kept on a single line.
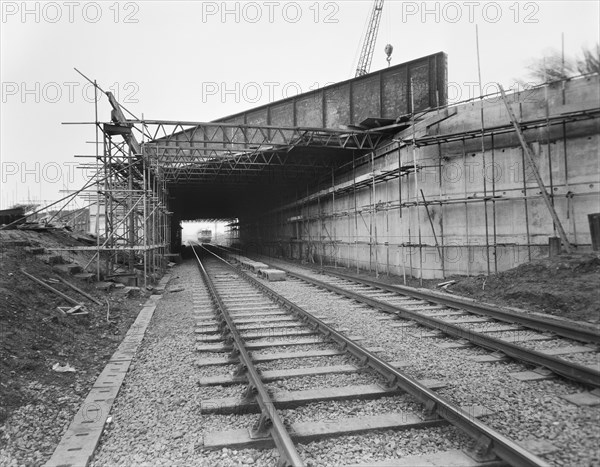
[[132, 219]]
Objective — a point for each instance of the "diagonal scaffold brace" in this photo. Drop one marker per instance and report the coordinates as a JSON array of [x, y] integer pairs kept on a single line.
[[536, 173]]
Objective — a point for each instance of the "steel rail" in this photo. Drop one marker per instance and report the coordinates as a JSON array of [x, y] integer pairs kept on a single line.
[[270, 419], [487, 437], [560, 329], [568, 330], [570, 370]]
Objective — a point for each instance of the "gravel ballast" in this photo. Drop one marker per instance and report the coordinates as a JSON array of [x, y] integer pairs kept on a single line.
[[156, 418], [522, 409]]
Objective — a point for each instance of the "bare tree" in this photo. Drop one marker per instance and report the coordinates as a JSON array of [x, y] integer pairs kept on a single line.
[[590, 62], [551, 67]]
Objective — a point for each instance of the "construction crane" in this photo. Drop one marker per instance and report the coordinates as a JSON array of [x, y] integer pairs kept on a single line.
[[366, 53]]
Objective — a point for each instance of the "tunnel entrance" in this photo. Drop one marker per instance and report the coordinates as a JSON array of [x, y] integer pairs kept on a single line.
[[208, 231]]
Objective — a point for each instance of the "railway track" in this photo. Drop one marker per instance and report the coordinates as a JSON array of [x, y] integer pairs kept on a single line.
[[250, 325], [508, 334]]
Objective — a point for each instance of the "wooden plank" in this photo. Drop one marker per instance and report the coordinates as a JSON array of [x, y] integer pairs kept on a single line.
[[531, 376], [242, 323], [491, 358], [288, 399], [451, 458], [259, 319], [426, 307], [269, 325], [527, 338], [270, 357], [453, 345], [258, 313], [260, 345], [568, 350], [259, 358], [268, 333], [591, 398], [275, 375], [268, 376], [444, 313], [469, 319], [504, 328], [241, 295], [237, 308], [245, 299], [51, 289], [305, 432], [423, 334], [207, 338], [265, 333], [273, 343], [77, 289], [210, 327]]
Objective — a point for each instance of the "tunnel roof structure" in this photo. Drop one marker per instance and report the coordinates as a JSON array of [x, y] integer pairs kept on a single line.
[[243, 164]]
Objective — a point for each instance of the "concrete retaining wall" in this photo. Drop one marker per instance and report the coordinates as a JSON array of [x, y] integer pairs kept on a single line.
[[484, 205]]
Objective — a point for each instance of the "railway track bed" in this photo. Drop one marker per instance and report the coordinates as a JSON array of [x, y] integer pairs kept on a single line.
[[556, 348], [507, 371], [185, 400]]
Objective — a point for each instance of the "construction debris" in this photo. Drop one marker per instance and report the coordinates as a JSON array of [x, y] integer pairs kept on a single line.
[[52, 289], [77, 289], [76, 310], [66, 368], [106, 286]]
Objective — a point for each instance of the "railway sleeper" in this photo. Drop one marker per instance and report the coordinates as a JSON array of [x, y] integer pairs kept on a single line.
[[271, 343], [305, 432], [276, 375], [269, 357], [291, 399]]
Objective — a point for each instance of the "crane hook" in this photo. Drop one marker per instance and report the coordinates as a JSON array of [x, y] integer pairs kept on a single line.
[[388, 51]]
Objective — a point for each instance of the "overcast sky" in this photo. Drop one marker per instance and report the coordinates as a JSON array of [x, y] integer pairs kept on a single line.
[[203, 60]]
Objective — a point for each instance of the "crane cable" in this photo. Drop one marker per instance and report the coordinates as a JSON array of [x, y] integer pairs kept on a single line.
[[389, 48]]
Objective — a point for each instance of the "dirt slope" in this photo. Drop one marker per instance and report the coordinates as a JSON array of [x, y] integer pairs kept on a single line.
[[34, 336]]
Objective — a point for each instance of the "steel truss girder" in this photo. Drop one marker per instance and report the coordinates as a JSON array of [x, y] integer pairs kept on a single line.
[[223, 134], [191, 150]]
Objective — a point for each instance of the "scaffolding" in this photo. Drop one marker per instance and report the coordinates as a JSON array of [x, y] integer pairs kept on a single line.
[[129, 189]]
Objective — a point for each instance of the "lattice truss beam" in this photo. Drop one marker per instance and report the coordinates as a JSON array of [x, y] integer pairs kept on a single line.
[[193, 151]]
